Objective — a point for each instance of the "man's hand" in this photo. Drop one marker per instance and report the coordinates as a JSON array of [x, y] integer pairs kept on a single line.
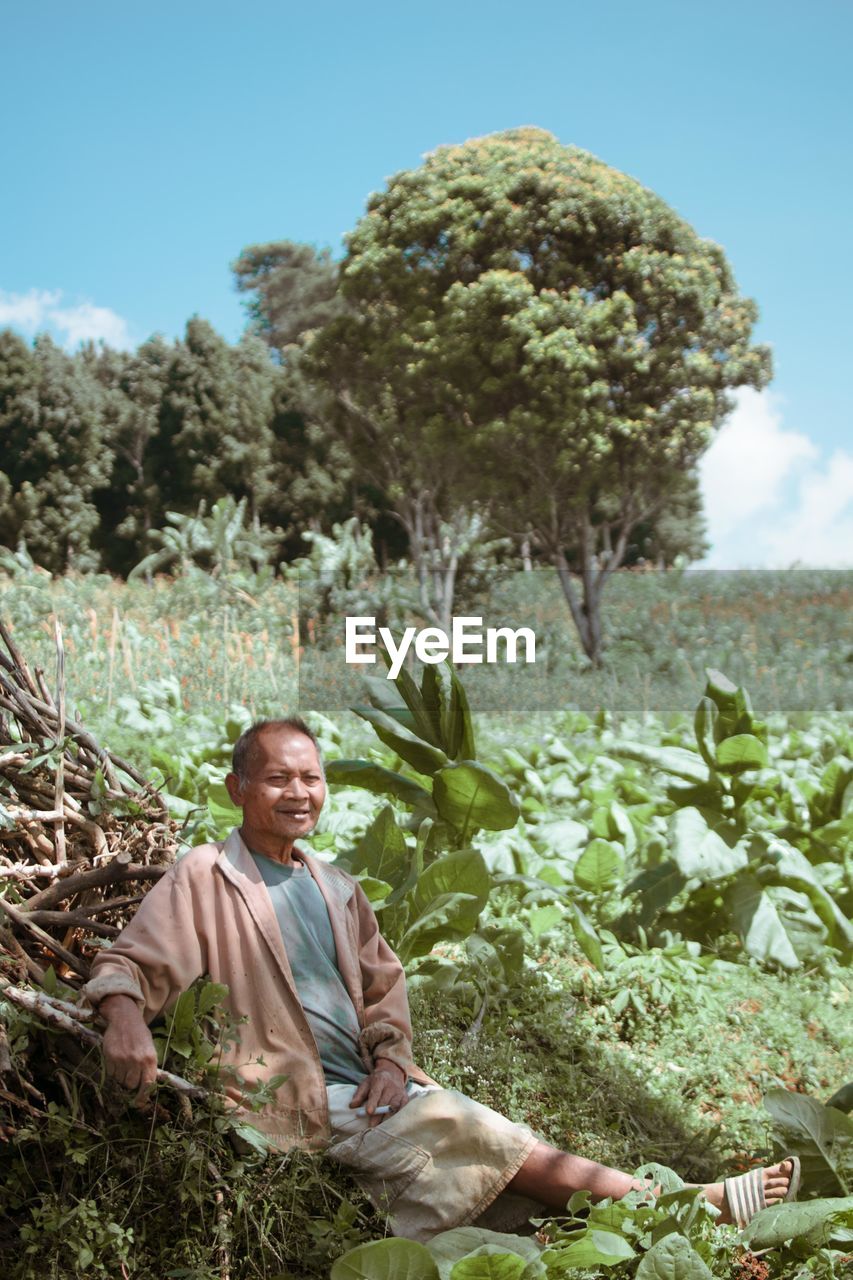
[[129, 1053], [384, 1087]]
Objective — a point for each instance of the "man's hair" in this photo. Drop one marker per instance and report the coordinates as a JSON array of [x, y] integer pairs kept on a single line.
[[247, 742]]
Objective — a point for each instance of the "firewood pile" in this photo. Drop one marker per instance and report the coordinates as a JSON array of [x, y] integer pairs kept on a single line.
[[82, 839]]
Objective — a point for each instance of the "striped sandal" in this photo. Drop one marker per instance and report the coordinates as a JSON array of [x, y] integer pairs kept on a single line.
[[745, 1193]]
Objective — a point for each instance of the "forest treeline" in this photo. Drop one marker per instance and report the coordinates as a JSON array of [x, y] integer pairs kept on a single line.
[[99, 445], [520, 347]]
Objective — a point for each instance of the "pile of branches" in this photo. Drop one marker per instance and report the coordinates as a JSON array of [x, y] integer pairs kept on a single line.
[[82, 839]]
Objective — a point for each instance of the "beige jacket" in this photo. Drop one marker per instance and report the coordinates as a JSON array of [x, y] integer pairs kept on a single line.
[[211, 914]]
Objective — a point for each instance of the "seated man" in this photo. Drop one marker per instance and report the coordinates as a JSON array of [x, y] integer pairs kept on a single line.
[[298, 946]]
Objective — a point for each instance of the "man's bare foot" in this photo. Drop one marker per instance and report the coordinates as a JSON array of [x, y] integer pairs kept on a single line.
[[777, 1180]]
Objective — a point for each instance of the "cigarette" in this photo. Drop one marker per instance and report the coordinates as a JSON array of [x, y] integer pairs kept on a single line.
[[377, 1111]]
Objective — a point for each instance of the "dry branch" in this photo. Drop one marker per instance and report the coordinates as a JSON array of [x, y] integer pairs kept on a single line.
[[68, 1017], [82, 837]]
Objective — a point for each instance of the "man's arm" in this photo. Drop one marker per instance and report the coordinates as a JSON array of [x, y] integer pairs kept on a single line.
[[156, 956], [386, 1040], [387, 1032], [129, 1053]]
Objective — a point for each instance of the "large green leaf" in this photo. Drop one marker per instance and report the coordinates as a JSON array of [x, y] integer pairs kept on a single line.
[[673, 1258], [468, 796], [792, 868], [821, 1136], [382, 850], [461, 1242], [489, 1263], [780, 1222], [595, 1248], [674, 760], [446, 706], [699, 852], [460, 872], [461, 725], [380, 781], [421, 755], [742, 751], [392, 1259], [410, 693], [657, 886], [384, 695], [757, 923], [733, 705], [451, 917], [599, 867]]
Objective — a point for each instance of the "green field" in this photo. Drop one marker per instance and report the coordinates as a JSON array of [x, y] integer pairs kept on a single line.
[[611, 994]]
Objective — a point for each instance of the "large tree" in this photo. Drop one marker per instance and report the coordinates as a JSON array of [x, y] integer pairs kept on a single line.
[[529, 327]]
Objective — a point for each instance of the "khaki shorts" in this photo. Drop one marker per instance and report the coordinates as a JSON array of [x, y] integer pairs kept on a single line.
[[442, 1161]]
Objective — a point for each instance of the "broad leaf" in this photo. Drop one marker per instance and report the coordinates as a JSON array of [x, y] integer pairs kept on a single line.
[[380, 781], [657, 886], [743, 751], [449, 1247], [451, 917], [596, 1249], [780, 1222], [599, 867], [674, 760], [821, 1136], [392, 1259], [375, 891], [382, 851], [468, 796], [421, 755], [543, 919], [489, 1263], [794, 870], [460, 872], [673, 1258], [757, 923], [699, 852]]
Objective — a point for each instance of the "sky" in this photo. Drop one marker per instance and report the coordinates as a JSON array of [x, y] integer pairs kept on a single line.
[[145, 146]]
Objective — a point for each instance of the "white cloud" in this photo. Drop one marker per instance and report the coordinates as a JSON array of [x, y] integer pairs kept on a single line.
[[41, 311], [87, 322], [771, 499], [27, 311]]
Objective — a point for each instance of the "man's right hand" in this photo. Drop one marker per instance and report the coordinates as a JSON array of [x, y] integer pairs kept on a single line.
[[129, 1053]]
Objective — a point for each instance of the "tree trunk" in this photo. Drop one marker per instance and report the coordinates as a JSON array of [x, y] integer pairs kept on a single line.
[[586, 610], [434, 557]]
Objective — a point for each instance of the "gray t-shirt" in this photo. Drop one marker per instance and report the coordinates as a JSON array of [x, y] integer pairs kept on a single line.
[[310, 945]]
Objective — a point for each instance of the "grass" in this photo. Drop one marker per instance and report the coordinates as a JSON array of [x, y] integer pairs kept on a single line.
[[784, 635], [681, 1085]]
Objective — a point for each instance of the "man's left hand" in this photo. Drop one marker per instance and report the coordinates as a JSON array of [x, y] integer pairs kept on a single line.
[[384, 1087]]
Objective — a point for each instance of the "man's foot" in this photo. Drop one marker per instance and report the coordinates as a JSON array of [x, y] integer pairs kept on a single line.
[[776, 1183]]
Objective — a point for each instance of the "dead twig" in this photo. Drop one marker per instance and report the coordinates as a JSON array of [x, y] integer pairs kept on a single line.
[[58, 1014]]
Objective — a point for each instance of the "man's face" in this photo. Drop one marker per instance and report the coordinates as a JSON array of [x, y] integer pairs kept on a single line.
[[284, 793]]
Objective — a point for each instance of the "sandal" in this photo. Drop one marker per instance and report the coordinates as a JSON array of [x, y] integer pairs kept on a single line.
[[745, 1193]]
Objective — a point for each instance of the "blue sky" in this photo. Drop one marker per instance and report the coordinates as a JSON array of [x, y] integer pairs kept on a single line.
[[146, 145]]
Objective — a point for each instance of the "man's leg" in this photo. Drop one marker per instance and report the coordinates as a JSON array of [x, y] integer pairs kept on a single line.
[[552, 1177]]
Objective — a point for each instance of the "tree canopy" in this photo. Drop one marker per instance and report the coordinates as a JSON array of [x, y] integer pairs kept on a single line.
[[528, 327]]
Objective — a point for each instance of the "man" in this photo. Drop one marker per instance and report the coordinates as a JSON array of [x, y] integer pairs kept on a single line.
[[297, 944]]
